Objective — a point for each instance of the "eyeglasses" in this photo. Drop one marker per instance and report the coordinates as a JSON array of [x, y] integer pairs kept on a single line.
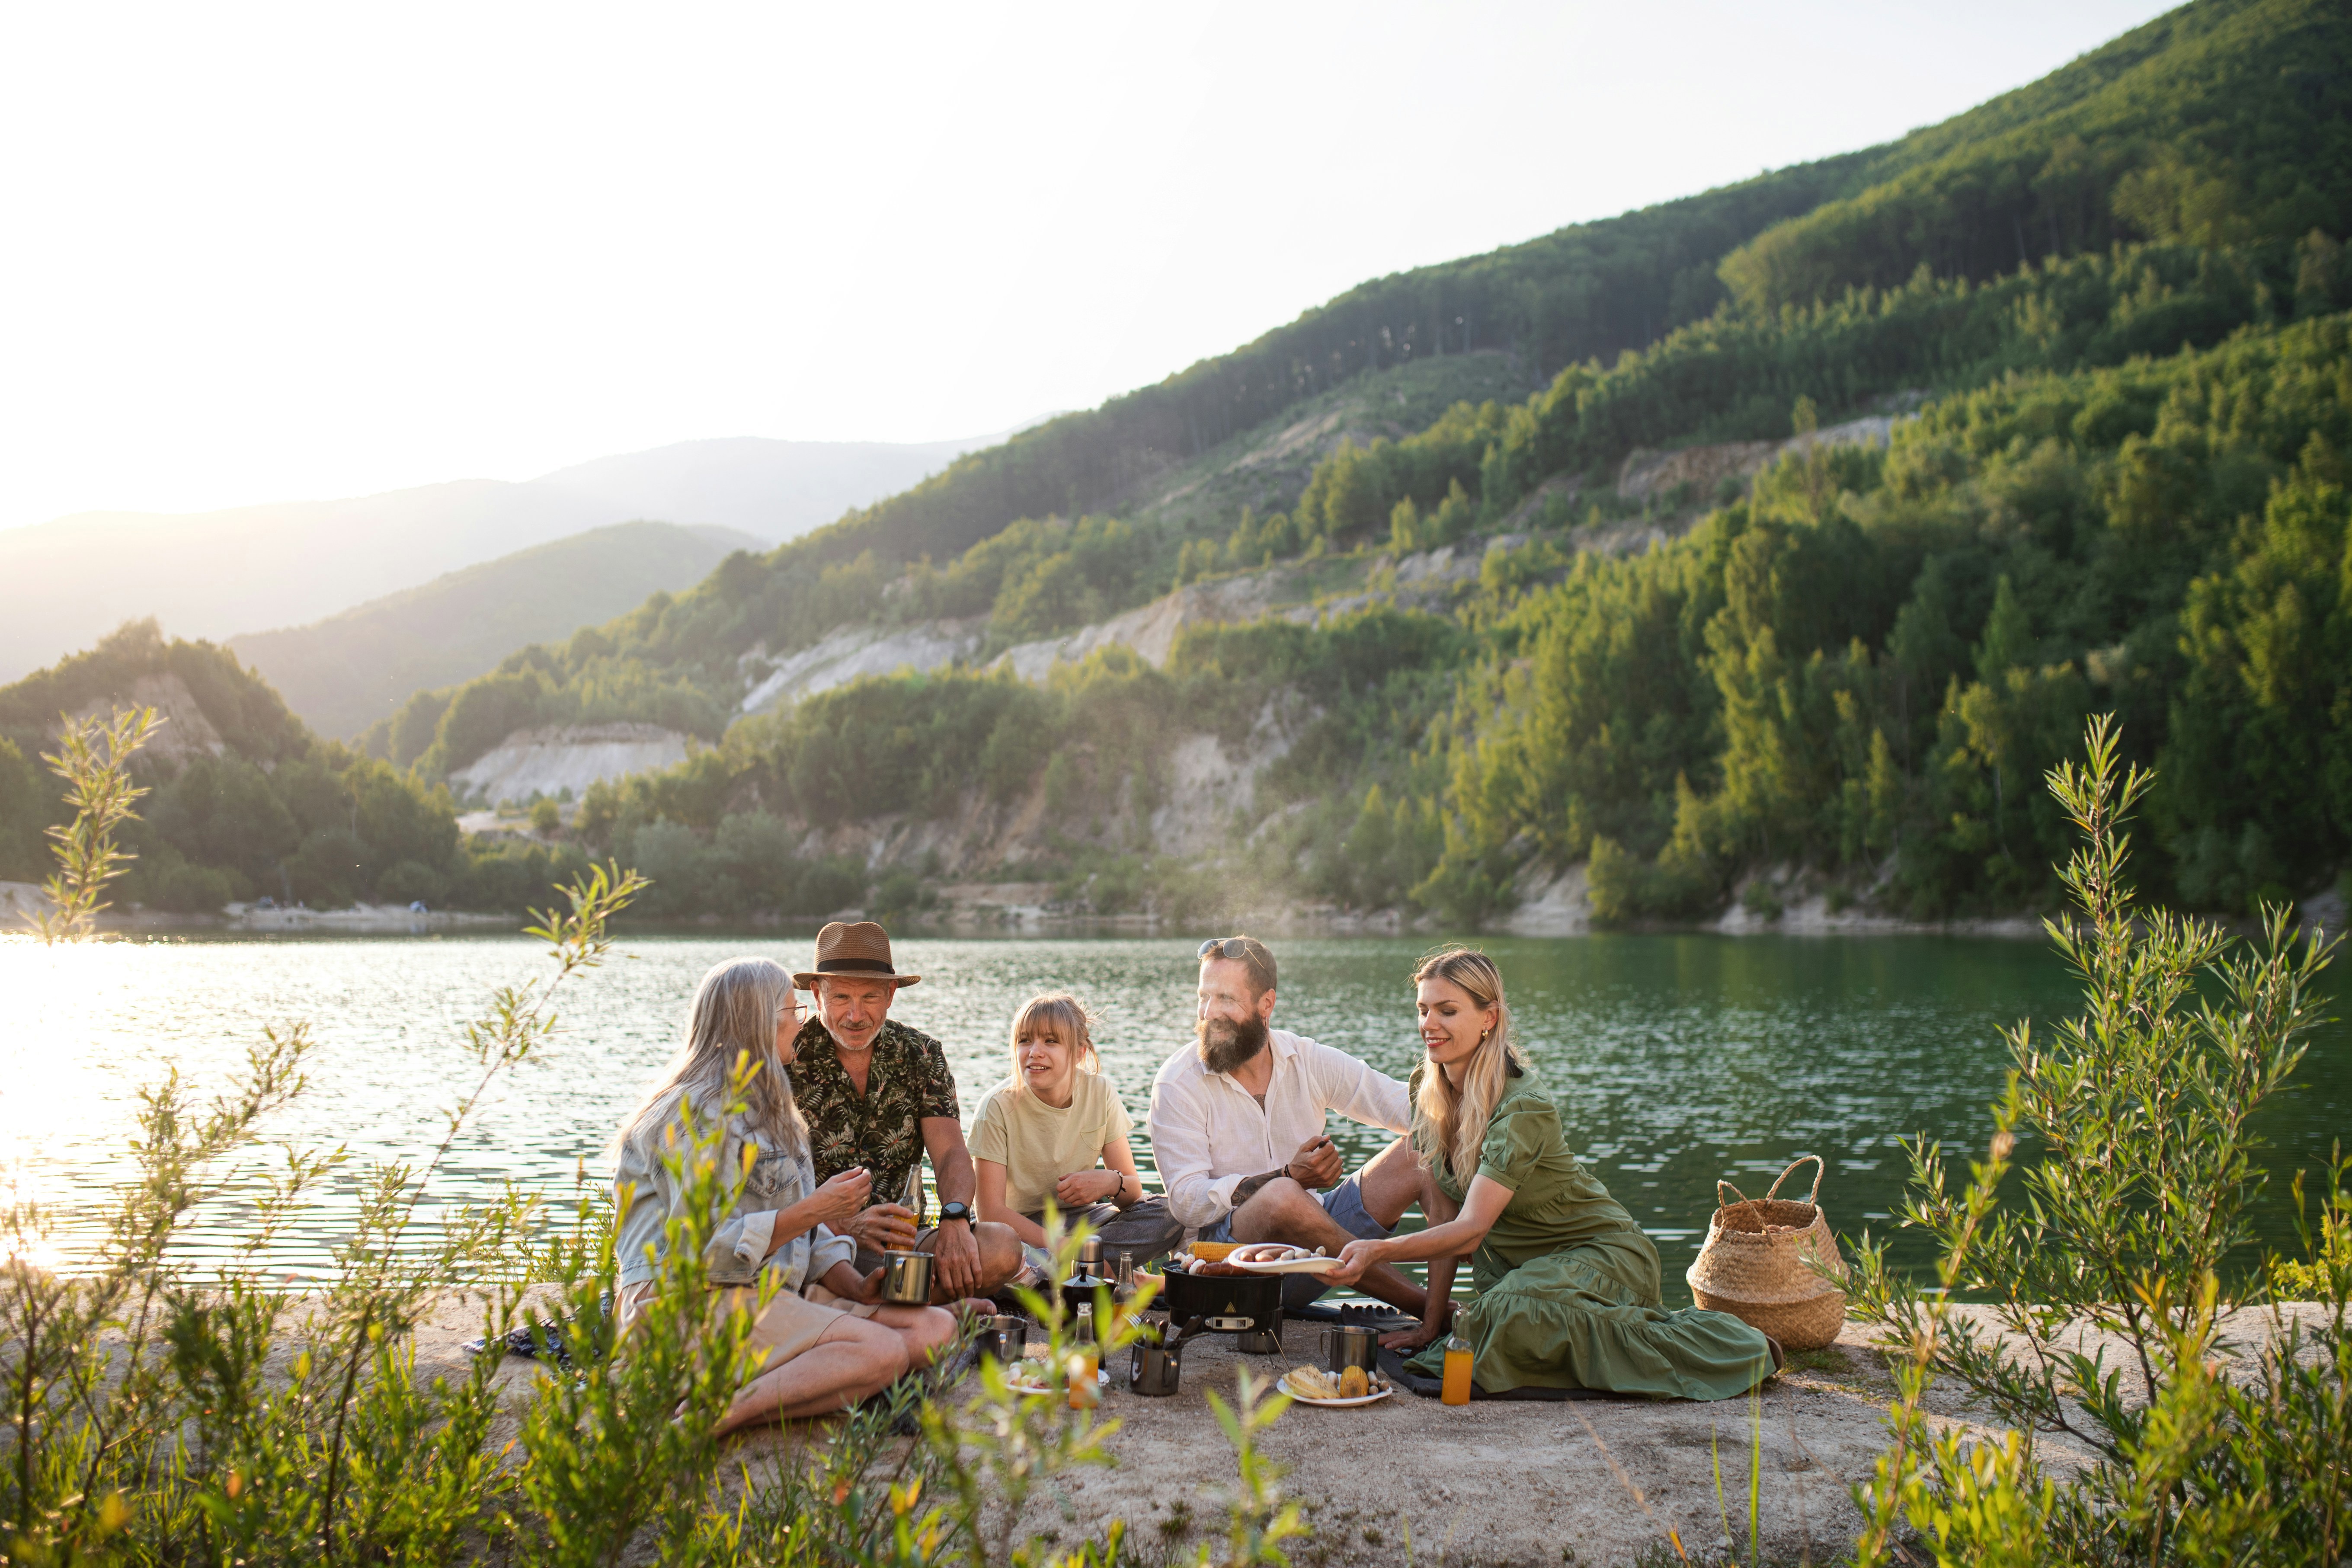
[[1232, 947]]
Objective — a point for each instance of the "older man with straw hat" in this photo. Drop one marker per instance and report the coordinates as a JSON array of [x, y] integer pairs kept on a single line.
[[879, 1095]]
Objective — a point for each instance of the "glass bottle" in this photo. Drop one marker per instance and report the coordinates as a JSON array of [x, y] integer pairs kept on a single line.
[[1456, 1390], [1122, 1295], [1085, 1361]]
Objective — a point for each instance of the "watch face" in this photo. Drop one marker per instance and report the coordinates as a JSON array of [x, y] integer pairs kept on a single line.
[[954, 1211]]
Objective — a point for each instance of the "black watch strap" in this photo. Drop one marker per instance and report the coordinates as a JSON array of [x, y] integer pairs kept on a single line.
[[955, 1211]]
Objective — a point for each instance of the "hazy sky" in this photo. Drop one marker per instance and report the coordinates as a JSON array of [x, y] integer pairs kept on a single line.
[[263, 253]]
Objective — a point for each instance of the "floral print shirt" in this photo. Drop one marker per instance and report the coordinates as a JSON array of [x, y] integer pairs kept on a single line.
[[881, 1129]]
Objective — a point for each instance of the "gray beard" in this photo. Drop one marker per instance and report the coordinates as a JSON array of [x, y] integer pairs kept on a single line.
[[1224, 1046]]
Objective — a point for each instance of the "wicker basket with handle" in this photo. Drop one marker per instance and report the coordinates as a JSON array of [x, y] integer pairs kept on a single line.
[[1755, 1263]]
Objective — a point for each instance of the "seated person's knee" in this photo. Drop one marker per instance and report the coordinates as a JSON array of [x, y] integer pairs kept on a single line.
[[933, 1327], [1276, 1209], [890, 1358], [1280, 1202], [1000, 1254]]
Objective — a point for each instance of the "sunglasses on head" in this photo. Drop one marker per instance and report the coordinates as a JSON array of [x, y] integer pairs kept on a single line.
[[1230, 947]]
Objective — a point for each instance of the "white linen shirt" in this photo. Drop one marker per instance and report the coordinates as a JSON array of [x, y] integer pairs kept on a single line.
[[1208, 1134]]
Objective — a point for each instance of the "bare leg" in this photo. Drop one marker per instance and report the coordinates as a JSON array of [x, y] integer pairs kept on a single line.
[[1282, 1210], [1391, 1182], [1000, 1258], [924, 1329], [851, 1359]]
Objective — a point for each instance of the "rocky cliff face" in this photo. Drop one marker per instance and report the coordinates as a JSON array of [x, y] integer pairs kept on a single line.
[[557, 757], [1646, 475]]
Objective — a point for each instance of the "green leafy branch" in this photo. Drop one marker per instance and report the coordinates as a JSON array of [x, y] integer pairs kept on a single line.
[[93, 756]]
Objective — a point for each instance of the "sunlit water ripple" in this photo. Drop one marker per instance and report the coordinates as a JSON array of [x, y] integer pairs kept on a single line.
[[1679, 1060]]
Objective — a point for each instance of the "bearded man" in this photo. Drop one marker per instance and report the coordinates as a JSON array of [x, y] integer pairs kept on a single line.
[[1237, 1121]]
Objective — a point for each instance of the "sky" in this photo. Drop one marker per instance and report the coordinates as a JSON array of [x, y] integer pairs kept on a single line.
[[264, 253]]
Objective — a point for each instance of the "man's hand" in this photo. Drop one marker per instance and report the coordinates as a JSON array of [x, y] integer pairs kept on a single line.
[[884, 1227], [841, 1198], [1316, 1166], [869, 1287], [1083, 1189], [956, 1259]]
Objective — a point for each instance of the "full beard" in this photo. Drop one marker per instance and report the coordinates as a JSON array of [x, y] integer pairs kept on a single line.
[[1225, 1045]]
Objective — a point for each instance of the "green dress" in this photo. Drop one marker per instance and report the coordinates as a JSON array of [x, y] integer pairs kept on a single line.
[[1568, 1284]]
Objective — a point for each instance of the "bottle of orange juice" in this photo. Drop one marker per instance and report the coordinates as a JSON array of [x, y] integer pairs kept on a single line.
[[1456, 1389], [1085, 1361]]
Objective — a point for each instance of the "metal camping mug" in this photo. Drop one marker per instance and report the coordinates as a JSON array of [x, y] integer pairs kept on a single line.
[[1156, 1362], [1348, 1345], [1003, 1340], [907, 1279]]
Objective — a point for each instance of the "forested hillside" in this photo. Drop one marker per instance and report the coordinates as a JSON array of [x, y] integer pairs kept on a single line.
[[244, 801], [2115, 301]]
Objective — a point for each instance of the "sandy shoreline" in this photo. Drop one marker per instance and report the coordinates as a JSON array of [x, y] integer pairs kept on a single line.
[[1587, 1482]]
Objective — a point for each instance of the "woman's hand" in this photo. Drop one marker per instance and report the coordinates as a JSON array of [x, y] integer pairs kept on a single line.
[[1354, 1259], [835, 1201], [1083, 1189], [1408, 1340]]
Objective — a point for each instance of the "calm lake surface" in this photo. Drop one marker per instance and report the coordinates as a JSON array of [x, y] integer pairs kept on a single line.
[[1680, 1060]]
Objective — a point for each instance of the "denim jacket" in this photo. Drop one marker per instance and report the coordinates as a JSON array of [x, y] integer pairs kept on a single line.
[[739, 1245]]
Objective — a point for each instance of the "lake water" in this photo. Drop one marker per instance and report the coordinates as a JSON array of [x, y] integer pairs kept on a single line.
[[1679, 1060]]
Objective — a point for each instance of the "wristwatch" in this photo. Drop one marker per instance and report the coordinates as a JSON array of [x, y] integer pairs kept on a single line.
[[955, 1211]]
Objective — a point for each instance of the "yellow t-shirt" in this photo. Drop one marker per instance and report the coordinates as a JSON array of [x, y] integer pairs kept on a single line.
[[1037, 1145]]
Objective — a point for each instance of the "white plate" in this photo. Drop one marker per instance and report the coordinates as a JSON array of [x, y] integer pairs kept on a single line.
[[1291, 1265], [1102, 1380], [1372, 1397]]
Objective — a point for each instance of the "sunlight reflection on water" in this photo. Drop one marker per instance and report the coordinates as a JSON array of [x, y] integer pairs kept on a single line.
[[1678, 1059]]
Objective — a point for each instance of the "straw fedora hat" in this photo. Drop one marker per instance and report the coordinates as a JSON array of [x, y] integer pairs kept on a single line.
[[861, 950]]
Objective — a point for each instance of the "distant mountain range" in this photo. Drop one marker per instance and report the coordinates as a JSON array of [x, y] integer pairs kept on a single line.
[[343, 673], [65, 583]]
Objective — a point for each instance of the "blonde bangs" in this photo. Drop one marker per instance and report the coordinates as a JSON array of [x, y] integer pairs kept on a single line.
[[1070, 1022]]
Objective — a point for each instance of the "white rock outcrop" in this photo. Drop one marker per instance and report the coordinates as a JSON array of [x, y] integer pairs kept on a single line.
[[854, 651], [558, 757], [1645, 473], [185, 733], [1150, 629]]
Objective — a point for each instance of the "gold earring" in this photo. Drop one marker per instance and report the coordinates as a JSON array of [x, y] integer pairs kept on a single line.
[[1482, 1033]]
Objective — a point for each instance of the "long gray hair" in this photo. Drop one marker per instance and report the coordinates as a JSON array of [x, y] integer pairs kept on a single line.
[[736, 1010]]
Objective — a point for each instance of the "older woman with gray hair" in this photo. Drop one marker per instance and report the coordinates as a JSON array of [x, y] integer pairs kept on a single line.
[[825, 1342]]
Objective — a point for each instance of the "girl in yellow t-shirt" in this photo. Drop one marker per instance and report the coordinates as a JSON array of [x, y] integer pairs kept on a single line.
[[1054, 1130]]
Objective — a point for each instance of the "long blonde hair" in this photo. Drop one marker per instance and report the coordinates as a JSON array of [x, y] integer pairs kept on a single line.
[[1456, 1119], [736, 1010], [1069, 1019]]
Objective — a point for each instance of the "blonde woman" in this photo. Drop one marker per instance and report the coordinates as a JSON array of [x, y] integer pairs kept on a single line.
[[1568, 1289], [824, 1342], [1054, 1130]]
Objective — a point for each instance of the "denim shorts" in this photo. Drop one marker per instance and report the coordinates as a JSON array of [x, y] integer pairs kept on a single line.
[[1345, 1204]]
